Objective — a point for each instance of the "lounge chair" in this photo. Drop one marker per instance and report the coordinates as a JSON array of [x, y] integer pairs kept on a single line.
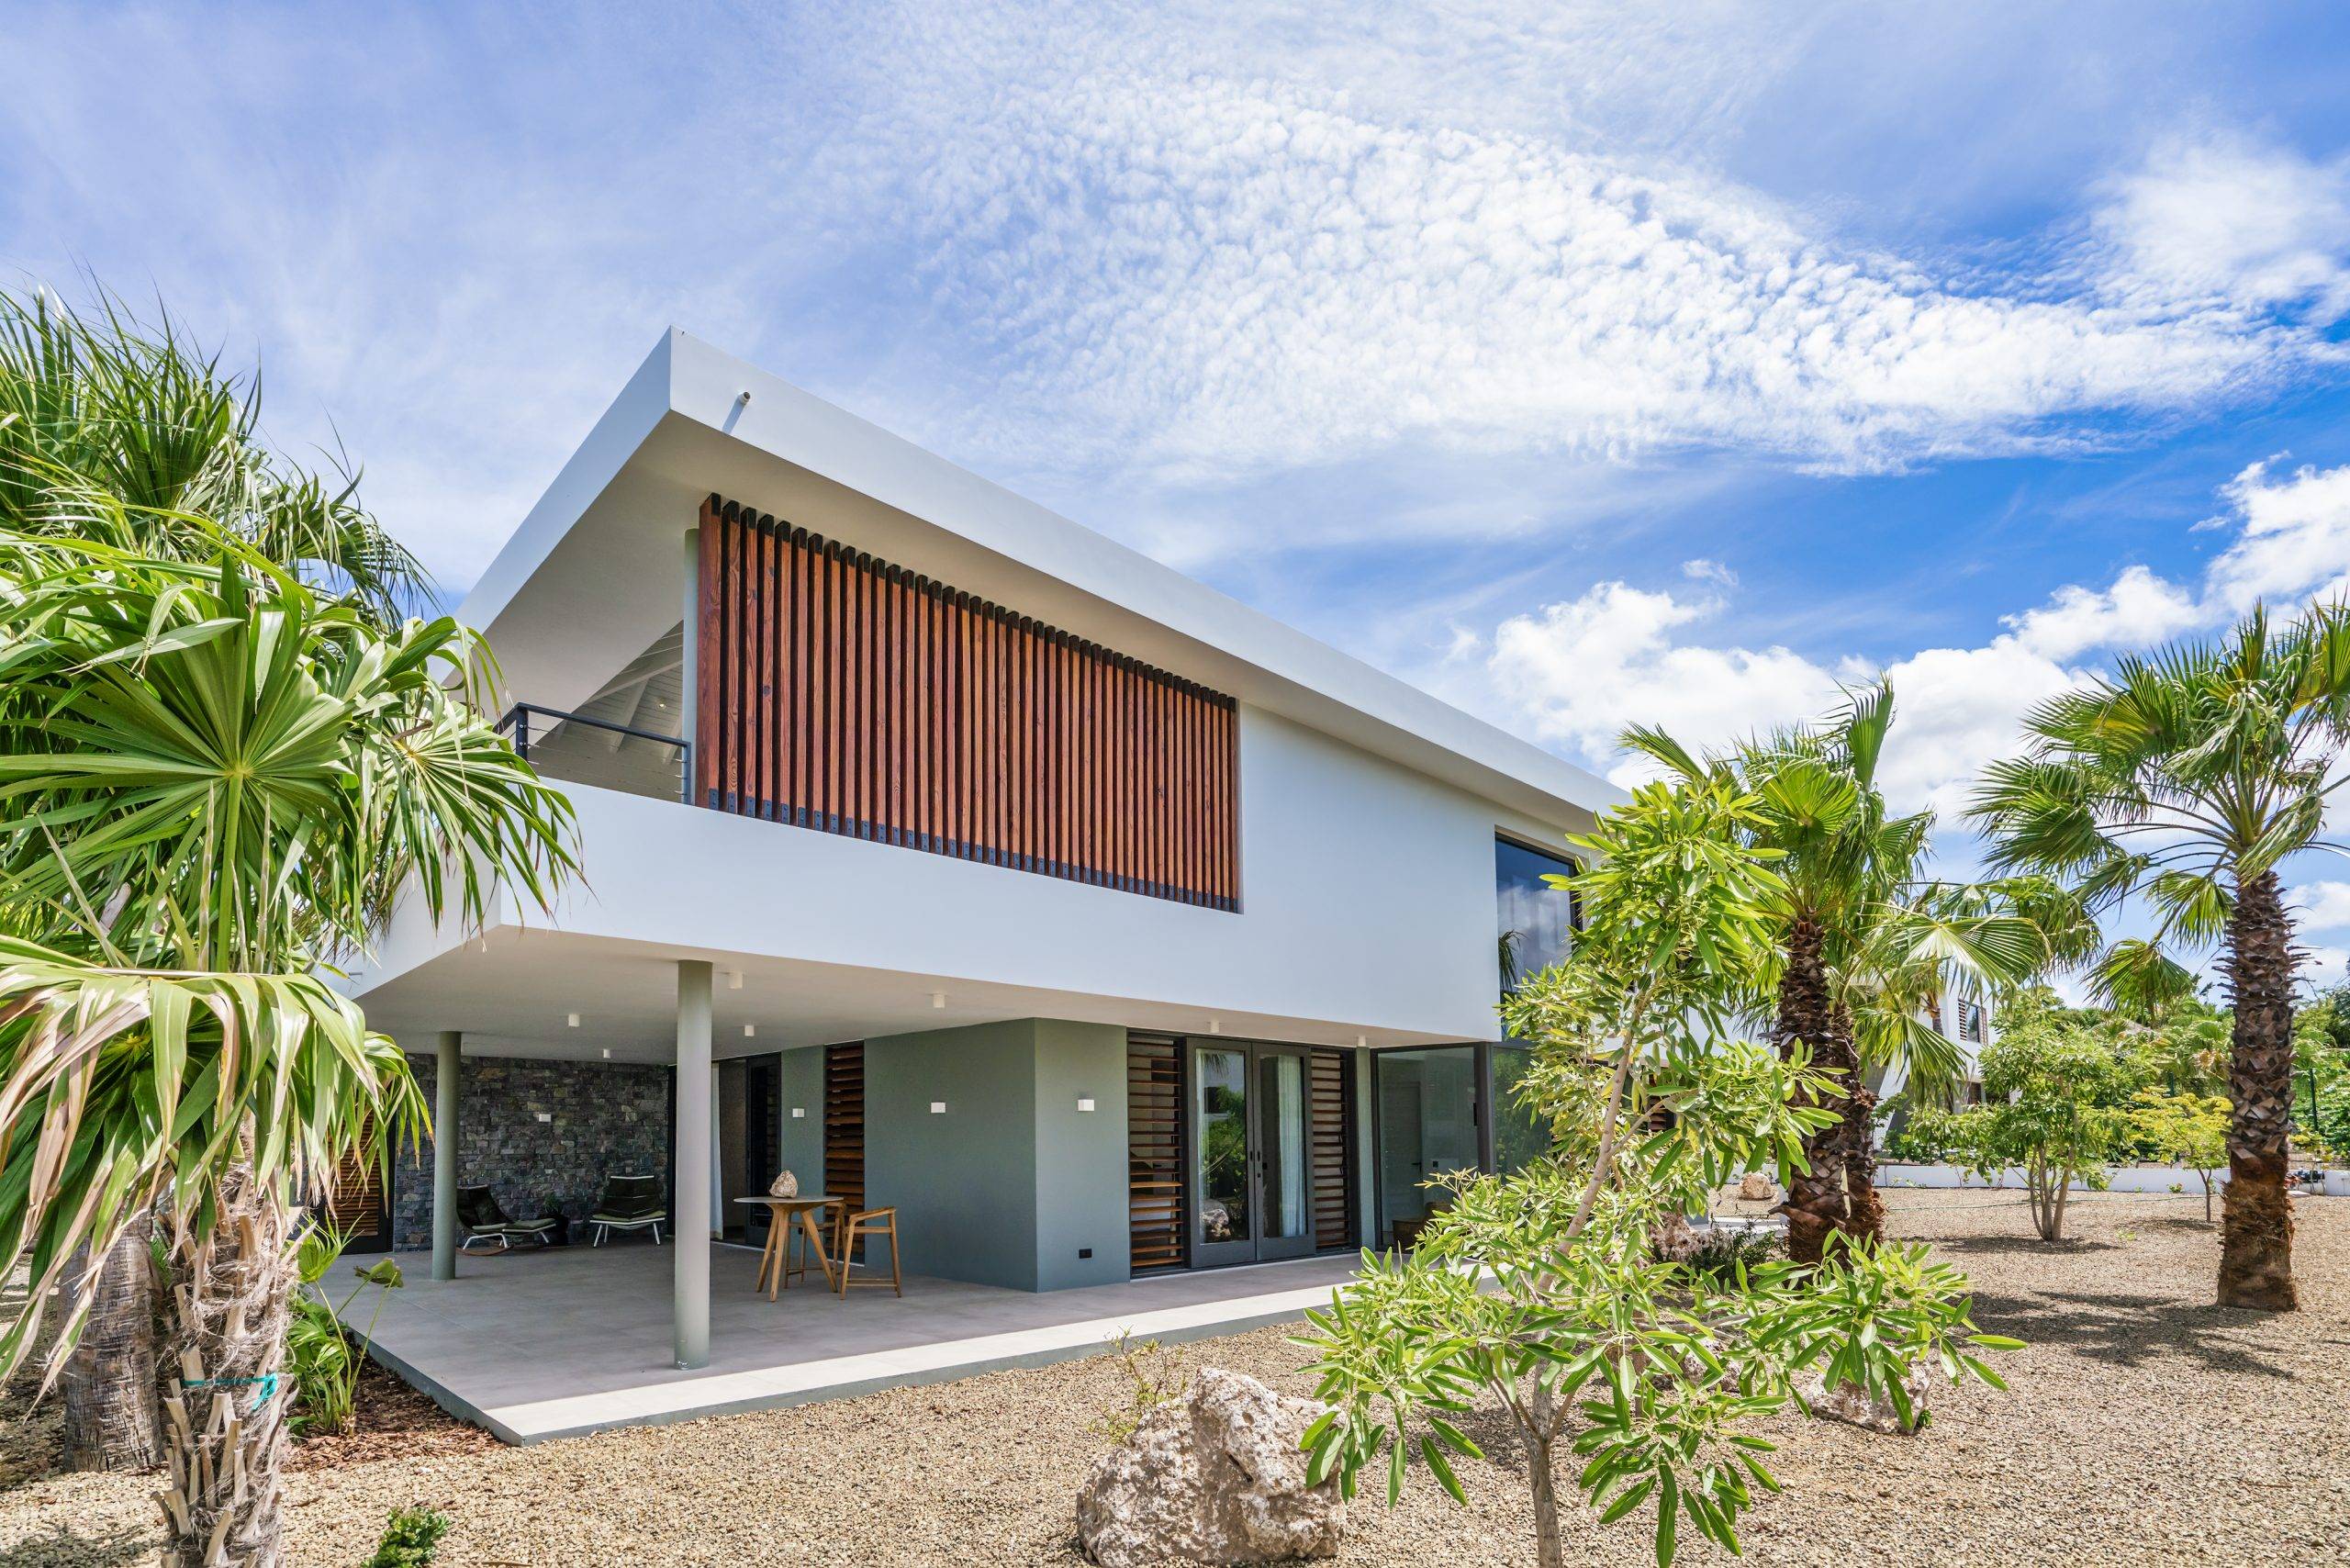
[[630, 1203], [482, 1220]]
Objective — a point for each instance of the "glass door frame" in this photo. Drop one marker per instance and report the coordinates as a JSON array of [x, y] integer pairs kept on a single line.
[[1257, 1247]]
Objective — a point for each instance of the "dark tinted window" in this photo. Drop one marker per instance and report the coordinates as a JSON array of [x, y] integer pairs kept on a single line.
[[1536, 921]]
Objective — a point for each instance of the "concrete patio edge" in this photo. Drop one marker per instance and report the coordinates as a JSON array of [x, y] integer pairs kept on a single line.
[[846, 1377]]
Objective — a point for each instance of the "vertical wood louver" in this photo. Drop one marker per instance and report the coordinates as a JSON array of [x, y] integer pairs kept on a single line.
[[1155, 1169], [1332, 1145], [845, 1123], [842, 693]]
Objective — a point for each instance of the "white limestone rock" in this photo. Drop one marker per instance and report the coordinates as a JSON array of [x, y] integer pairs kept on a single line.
[[1845, 1403], [1214, 1477]]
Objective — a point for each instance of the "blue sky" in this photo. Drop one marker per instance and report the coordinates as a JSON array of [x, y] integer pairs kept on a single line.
[[1582, 363]]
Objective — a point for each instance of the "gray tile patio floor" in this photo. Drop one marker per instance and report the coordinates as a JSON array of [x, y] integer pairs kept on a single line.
[[543, 1344]]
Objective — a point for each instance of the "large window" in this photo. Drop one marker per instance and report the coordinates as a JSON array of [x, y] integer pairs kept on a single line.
[[1518, 1133], [1428, 1125], [1535, 920]]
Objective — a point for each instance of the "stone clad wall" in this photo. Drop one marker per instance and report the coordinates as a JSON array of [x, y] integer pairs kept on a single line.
[[604, 1118]]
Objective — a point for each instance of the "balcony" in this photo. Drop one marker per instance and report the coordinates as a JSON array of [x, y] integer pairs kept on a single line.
[[583, 748]]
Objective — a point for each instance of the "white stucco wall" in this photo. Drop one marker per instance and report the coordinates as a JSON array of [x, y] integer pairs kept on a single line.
[[1367, 899]]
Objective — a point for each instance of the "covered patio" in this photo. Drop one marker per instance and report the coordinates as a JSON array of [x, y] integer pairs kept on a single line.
[[534, 1345]]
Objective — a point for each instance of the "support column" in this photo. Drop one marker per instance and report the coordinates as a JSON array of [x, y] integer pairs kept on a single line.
[[691, 1174], [444, 1156]]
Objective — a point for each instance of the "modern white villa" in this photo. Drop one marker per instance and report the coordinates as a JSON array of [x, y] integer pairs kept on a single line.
[[965, 863]]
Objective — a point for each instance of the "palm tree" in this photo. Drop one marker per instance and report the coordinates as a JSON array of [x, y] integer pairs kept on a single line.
[[102, 403], [205, 770], [1864, 943], [2187, 777]]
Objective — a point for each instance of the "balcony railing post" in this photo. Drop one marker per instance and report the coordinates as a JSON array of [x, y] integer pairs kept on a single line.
[[685, 772], [523, 733]]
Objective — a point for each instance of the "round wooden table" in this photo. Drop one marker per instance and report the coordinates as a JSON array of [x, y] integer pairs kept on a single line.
[[782, 1212]]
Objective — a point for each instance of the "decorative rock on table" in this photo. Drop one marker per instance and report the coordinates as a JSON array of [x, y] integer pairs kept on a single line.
[[784, 1186], [1216, 1476]]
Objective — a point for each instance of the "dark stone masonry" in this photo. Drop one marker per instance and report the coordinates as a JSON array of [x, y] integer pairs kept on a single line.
[[604, 1118]]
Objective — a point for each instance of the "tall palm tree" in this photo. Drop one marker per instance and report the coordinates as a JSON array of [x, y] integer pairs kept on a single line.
[[101, 402], [1865, 944], [204, 770], [2188, 778]]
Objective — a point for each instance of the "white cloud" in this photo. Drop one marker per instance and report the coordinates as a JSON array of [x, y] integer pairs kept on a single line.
[[1219, 276], [2295, 539], [2322, 906], [1706, 570], [2220, 221], [1578, 671], [2138, 607]]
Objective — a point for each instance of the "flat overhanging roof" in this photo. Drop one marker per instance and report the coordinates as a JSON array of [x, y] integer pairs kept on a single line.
[[595, 573]]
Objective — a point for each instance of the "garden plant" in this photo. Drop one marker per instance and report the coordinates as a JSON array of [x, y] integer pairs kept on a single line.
[[214, 771], [1539, 1295], [2187, 776]]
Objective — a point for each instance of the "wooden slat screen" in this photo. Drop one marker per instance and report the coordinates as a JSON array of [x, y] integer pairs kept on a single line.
[[355, 1206], [842, 693], [1332, 1147], [1154, 1171], [845, 1123]]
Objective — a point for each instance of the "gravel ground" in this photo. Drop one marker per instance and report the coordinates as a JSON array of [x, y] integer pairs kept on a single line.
[[2143, 1426]]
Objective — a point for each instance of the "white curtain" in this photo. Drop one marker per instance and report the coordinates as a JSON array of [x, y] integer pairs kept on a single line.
[[1290, 1116]]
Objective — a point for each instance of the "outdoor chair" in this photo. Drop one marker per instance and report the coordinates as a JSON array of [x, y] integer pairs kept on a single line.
[[869, 1222], [630, 1203], [482, 1219]]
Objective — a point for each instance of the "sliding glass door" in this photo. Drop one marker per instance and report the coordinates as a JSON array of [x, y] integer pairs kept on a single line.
[[1250, 1135]]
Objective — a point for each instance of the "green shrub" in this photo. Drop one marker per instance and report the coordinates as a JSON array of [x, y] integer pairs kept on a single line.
[[411, 1539]]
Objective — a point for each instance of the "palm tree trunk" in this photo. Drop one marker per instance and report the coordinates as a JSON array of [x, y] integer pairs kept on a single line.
[[233, 1286], [109, 1382], [1815, 1198], [2255, 1215], [1856, 1137]]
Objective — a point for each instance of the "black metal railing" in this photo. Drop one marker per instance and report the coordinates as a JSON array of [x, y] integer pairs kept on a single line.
[[518, 721]]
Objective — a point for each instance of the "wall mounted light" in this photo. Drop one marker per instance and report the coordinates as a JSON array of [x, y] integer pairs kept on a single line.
[[607, 1053], [546, 1115], [1085, 1102], [937, 998], [734, 980], [939, 1107], [1360, 1043], [571, 1019], [750, 1031], [798, 1110], [1215, 1025]]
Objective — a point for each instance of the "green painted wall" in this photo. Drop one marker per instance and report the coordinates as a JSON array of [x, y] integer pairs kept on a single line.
[[1012, 1180], [1081, 1155], [802, 1140], [964, 1180]]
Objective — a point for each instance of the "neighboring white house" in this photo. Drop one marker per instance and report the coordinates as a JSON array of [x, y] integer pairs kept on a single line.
[[1098, 922]]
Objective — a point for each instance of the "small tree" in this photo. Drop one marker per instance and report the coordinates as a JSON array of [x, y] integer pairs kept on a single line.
[[2192, 1128], [2052, 1088], [1540, 1292]]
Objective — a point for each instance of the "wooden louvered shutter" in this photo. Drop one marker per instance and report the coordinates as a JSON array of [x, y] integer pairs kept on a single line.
[[845, 1123], [1155, 1185], [1332, 1146], [357, 1208]]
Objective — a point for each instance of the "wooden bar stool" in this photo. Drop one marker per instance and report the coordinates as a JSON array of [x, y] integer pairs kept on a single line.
[[804, 1241], [869, 1222]]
